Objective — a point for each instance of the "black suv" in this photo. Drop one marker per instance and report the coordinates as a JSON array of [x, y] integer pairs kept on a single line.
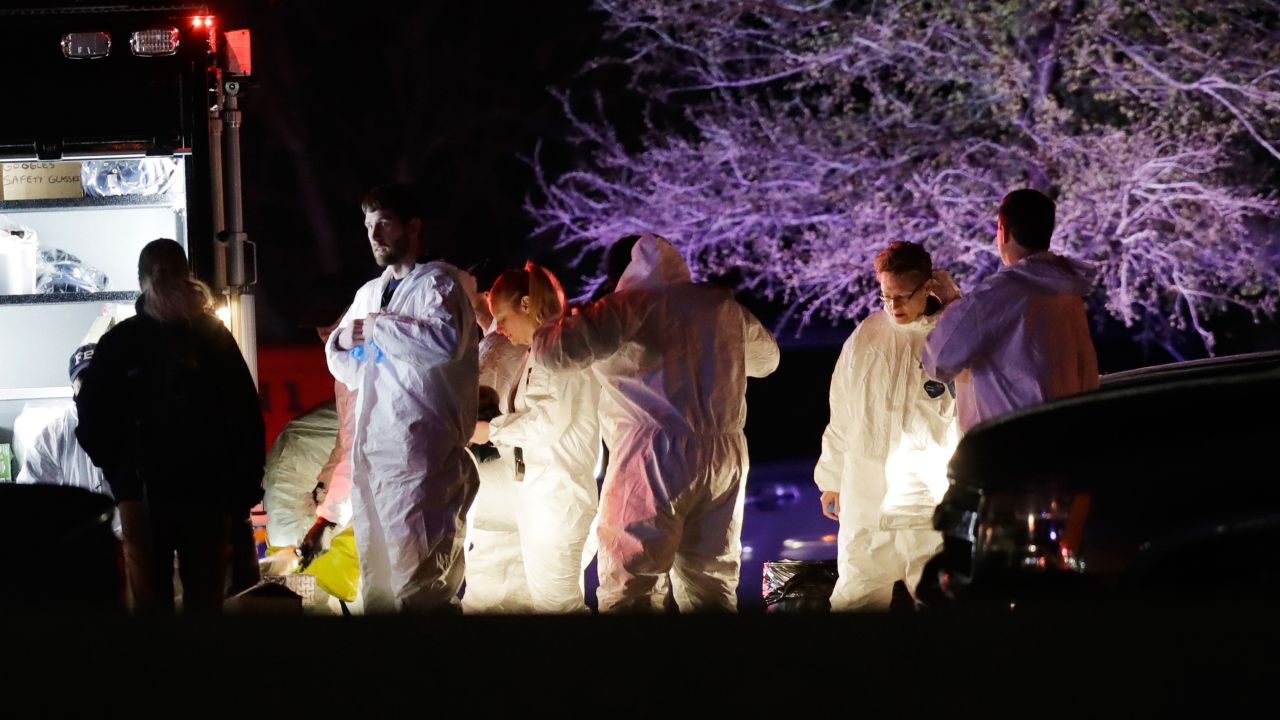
[[1165, 482]]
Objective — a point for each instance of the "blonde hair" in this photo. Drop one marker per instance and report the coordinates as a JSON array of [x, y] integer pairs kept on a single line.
[[546, 296], [172, 294]]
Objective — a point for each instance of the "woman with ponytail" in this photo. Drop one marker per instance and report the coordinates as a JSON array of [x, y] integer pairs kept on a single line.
[[170, 413], [553, 433], [169, 293]]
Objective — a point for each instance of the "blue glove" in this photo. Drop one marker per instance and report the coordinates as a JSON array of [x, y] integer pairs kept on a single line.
[[358, 352]]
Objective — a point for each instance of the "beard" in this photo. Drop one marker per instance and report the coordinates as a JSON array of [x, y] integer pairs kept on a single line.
[[392, 256]]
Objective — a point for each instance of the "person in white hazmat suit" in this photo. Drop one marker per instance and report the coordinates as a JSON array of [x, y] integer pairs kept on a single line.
[[892, 431], [296, 467], [307, 482], [553, 433], [1021, 337], [495, 580], [673, 358], [408, 347], [55, 456], [332, 491]]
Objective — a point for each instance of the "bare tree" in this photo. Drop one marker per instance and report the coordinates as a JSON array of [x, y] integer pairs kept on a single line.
[[789, 141]]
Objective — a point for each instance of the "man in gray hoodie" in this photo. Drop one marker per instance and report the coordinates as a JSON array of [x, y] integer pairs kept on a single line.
[[1021, 337]]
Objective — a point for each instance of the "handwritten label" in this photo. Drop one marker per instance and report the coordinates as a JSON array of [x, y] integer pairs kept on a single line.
[[41, 180]]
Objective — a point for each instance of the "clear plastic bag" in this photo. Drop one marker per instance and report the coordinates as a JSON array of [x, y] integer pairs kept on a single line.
[[59, 271], [145, 176]]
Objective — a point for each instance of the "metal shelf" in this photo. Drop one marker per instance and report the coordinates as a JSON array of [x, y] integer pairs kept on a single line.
[[69, 298], [94, 203], [37, 393]]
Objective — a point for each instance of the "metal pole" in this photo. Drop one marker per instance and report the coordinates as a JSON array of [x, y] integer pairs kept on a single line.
[[231, 172], [215, 181], [240, 292]]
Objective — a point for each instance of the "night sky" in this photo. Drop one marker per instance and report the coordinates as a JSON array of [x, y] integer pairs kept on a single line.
[[451, 97], [454, 97]]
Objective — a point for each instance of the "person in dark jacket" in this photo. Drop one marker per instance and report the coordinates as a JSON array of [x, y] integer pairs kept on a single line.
[[170, 413]]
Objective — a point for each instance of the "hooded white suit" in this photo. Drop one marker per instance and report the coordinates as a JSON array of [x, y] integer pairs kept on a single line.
[[673, 358]]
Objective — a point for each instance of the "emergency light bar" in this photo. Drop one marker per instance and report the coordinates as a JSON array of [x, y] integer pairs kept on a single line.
[[155, 42], [90, 45]]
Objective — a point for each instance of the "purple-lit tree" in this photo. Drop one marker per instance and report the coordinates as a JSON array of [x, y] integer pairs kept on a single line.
[[790, 140]]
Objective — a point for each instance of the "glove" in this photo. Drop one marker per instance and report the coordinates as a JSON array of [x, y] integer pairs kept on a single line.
[[312, 544], [484, 453], [318, 493]]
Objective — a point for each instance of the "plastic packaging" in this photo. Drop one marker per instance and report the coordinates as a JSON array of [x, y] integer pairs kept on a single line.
[[32, 420], [59, 271], [337, 570], [19, 254], [799, 585], [146, 176]]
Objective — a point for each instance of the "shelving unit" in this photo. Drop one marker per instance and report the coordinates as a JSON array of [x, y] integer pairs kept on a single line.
[[42, 330], [121, 296], [117, 201]]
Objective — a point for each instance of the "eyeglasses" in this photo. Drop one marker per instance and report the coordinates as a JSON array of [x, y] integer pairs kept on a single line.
[[901, 299]]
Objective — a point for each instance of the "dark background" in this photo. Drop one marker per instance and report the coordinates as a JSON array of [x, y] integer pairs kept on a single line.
[[455, 97], [451, 96]]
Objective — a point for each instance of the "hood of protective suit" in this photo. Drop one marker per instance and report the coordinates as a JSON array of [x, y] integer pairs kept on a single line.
[[654, 262], [1054, 273], [922, 324]]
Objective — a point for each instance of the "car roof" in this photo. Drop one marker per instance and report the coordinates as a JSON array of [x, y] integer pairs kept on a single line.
[[1178, 410], [1190, 369]]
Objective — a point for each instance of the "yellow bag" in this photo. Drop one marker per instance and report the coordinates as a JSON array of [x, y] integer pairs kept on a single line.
[[338, 570]]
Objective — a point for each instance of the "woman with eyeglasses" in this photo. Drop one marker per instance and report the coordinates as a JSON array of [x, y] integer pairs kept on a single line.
[[892, 431]]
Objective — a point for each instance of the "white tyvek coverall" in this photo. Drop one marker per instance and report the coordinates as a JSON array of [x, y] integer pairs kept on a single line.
[[672, 358], [295, 463], [892, 432], [336, 473], [495, 565], [412, 479], [555, 423], [56, 458], [1023, 336]]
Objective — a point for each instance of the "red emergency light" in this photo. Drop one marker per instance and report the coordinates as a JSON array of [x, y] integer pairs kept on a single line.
[[202, 21]]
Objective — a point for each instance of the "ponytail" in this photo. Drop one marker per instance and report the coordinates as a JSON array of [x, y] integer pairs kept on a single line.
[[546, 296], [172, 294]]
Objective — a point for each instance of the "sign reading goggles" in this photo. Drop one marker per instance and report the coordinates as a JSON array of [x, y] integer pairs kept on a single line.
[[78, 46], [150, 43]]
